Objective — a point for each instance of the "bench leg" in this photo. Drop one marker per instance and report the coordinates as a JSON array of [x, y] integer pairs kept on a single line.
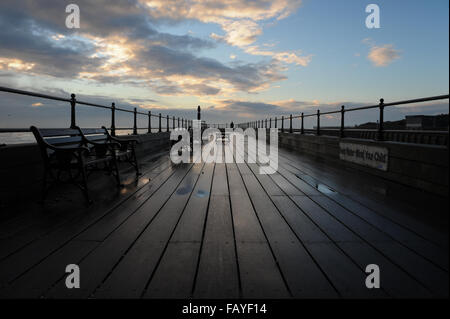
[[116, 169], [136, 164], [84, 181]]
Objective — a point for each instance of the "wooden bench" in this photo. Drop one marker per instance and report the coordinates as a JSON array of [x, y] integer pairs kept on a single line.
[[69, 155]]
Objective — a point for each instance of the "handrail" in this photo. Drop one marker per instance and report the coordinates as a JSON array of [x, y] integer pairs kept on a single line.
[[185, 123], [263, 123], [182, 122]]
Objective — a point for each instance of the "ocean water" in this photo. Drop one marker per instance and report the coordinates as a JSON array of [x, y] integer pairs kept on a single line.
[[17, 138]]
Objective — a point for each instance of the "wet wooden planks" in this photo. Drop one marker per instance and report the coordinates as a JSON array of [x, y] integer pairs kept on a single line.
[[225, 231]]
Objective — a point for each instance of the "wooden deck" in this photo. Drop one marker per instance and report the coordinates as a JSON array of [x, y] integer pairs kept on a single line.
[[221, 230]]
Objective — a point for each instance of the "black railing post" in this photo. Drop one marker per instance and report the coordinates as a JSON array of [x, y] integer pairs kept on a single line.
[[276, 122], [149, 121], [160, 129], [282, 124], [178, 122], [302, 129], [167, 124], [173, 122], [73, 102], [135, 122], [290, 123], [270, 123], [342, 121], [380, 136], [113, 119], [198, 113], [318, 122]]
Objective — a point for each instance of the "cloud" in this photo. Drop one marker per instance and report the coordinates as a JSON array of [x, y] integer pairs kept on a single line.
[[286, 57], [239, 33], [381, 56], [118, 43], [240, 20]]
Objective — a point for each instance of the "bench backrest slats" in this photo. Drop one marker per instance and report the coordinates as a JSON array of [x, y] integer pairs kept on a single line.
[[90, 131], [66, 140], [69, 136], [53, 132]]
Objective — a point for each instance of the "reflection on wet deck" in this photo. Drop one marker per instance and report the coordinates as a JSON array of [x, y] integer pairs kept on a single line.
[[225, 231]]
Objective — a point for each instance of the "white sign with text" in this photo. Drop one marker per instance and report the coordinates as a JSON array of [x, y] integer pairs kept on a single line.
[[371, 156]]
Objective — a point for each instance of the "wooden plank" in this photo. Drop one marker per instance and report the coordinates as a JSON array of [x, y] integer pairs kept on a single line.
[[101, 229], [318, 284], [353, 245], [425, 248], [174, 277], [362, 253], [395, 280], [38, 250], [260, 276], [102, 260], [270, 187], [129, 276], [34, 220], [220, 186], [409, 287], [408, 238], [38, 280], [353, 184], [303, 276], [297, 182], [218, 275], [321, 237]]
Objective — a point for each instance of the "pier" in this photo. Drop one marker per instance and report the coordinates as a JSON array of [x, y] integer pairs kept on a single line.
[[222, 230]]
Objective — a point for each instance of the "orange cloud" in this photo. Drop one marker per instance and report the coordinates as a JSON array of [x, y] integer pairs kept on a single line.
[[381, 56], [15, 64]]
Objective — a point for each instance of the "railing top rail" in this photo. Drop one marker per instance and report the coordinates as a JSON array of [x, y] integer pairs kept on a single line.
[[418, 100], [28, 93]]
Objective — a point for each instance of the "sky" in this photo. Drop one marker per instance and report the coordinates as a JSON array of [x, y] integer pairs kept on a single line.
[[239, 60]]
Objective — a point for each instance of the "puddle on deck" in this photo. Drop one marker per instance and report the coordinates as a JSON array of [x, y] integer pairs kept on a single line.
[[201, 193], [324, 189]]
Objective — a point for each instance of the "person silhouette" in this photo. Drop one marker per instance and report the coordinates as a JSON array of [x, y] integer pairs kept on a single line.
[[232, 125]]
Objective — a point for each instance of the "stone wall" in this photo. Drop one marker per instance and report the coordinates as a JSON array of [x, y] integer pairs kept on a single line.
[[423, 167]]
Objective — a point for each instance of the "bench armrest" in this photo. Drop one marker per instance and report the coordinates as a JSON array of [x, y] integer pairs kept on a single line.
[[88, 141], [120, 140]]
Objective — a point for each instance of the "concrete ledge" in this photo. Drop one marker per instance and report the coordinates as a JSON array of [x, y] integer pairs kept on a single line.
[[420, 166], [21, 166]]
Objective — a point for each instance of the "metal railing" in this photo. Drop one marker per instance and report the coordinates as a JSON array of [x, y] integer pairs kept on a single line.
[[342, 131], [73, 102], [171, 121]]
